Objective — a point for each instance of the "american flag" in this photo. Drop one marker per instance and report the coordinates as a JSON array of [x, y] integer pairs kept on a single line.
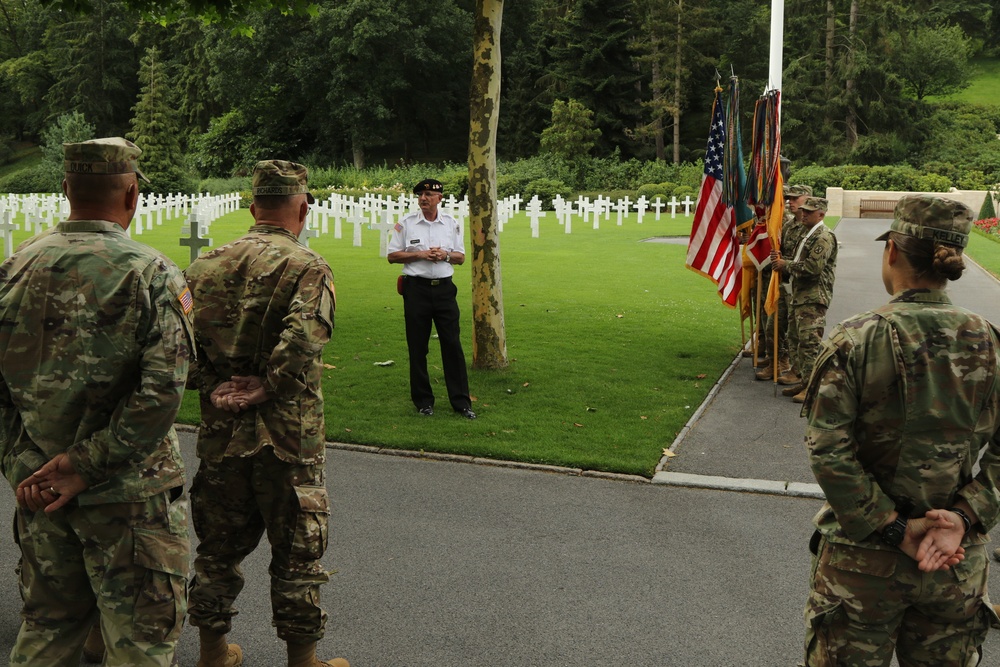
[[713, 249]]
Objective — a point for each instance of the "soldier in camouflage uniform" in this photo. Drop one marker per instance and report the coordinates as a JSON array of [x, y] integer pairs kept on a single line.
[[811, 276], [264, 311], [95, 340], [903, 401], [791, 232]]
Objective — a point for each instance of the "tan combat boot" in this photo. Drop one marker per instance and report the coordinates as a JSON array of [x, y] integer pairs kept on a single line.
[[765, 372], [784, 363], [304, 655], [93, 648], [789, 378], [793, 390], [800, 397], [215, 652]]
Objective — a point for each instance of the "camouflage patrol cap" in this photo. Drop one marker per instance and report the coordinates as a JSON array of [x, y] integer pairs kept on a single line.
[[932, 217], [815, 204], [110, 155], [281, 177], [428, 185], [798, 190]]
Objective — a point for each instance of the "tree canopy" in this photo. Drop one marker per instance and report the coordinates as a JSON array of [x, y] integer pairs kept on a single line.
[[372, 81]]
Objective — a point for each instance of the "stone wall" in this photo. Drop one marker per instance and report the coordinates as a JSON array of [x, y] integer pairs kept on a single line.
[[847, 203]]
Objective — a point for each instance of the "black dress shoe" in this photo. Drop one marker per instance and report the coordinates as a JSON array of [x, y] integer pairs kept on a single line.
[[426, 411], [467, 413]]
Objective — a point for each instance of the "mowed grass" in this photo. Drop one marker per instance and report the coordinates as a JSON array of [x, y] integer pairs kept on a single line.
[[985, 250], [612, 342], [985, 86]]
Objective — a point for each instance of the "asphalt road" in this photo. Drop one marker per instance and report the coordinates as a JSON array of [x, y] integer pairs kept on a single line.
[[456, 565]]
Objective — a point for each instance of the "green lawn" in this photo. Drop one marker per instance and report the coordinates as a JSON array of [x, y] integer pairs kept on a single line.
[[613, 344], [985, 250], [985, 88]]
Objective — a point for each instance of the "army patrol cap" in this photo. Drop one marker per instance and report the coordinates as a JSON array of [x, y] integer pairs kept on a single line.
[[931, 217], [815, 204], [110, 155], [428, 185], [798, 190], [281, 177]]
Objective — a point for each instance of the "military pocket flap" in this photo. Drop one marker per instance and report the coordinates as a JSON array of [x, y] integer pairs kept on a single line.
[[163, 552], [313, 499], [873, 562]]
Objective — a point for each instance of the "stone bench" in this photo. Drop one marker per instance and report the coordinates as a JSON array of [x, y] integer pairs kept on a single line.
[[878, 206]]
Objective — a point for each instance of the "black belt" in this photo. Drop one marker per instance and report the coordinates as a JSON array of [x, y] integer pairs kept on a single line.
[[430, 281]]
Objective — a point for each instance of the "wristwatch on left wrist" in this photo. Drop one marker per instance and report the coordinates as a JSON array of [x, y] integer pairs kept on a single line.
[[447, 257], [894, 533]]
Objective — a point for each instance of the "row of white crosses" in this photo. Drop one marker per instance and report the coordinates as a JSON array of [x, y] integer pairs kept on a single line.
[[378, 212], [157, 209], [40, 211], [381, 213], [205, 209]]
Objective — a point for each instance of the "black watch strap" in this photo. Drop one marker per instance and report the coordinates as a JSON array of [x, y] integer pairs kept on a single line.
[[894, 533]]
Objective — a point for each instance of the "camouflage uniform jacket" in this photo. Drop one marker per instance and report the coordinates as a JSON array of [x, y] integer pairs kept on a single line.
[[264, 306], [791, 233], [812, 275], [95, 339], [901, 403]]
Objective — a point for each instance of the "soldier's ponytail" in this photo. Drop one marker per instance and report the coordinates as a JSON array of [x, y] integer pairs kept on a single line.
[[930, 259]]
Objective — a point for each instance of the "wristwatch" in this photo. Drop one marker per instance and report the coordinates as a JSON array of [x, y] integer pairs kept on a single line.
[[894, 533]]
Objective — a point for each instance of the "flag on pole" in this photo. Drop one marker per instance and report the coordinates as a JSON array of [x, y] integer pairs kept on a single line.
[[758, 247], [734, 192], [713, 249]]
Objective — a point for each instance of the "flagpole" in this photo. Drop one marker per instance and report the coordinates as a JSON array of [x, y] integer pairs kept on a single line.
[[774, 78], [777, 40]]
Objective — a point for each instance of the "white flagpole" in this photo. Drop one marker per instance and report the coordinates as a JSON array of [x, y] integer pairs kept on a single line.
[[777, 41]]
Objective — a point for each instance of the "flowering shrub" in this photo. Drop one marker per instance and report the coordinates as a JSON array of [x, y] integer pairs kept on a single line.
[[989, 226]]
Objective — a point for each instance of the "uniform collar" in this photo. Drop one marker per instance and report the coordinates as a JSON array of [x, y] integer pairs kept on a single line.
[[921, 295], [272, 229], [70, 226]]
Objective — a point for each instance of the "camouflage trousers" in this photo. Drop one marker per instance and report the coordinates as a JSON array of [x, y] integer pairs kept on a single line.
[[233, 503], [865, 604], [128, 562], [806, 323]]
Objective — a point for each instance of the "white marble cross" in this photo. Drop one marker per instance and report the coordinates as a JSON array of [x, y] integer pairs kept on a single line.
[[621, 206], [7, 229], [384, 226], [658, 205], [195, 242], [641, 206], [583, 207], [687, 204], [308, 232], [534, 211], [357, 218], [673, 204]]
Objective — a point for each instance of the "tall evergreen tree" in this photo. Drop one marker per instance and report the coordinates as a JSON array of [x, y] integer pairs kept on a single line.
[[94, 66], [156, 125], [590, 61]]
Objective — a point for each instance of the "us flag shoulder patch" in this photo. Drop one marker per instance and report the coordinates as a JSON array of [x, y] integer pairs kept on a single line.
[[398, 227], [187, 301]]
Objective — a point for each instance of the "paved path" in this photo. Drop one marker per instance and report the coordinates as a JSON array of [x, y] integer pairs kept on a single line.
[[443, 564]]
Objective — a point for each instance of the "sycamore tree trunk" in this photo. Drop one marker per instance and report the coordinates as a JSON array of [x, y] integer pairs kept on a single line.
[[489, 340]]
